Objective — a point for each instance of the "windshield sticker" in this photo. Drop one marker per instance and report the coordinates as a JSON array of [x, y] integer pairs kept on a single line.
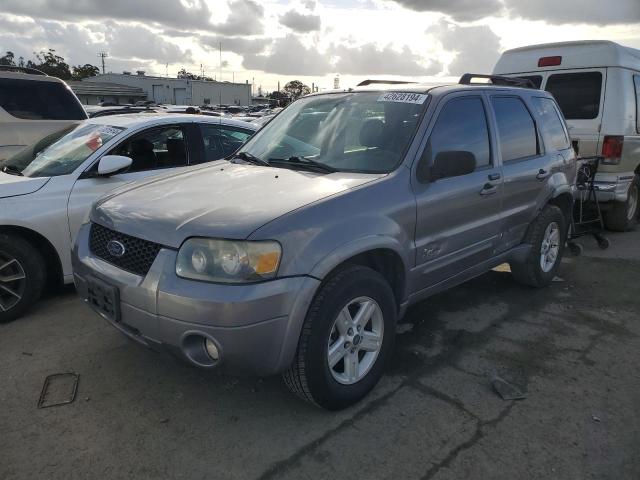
[[111, 131], [400, 97]]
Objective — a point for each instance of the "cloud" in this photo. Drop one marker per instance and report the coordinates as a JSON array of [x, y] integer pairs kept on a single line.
[[459, 10], [300, 22], [245, 19], [239, 45], [477, 48], [370, 60], [288, 56], [129, 41], [597, 12], [166, 12]]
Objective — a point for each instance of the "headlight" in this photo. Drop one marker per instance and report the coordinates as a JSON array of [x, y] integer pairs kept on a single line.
[[228, 261]]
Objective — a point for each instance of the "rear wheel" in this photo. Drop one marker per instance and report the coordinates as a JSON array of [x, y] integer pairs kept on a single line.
[[547, 236], [345, 341], [623, 216], [22, 276]]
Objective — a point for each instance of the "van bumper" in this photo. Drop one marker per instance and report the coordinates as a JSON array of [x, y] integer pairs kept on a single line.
[[613, 187]]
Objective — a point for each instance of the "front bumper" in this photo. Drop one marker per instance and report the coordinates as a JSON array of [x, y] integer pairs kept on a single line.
[[255, 327]]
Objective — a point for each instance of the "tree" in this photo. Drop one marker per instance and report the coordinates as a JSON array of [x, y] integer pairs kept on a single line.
[[192, 76], [7, 59], [296, 89], [51, 64], [282, 98], [84, 71]]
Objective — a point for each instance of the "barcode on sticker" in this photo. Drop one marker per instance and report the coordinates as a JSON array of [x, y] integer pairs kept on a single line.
[[403, 97]]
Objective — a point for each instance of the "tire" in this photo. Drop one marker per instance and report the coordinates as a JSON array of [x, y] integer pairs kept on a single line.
[[531, 272], [623, 216], [22, 276], [310, 376]]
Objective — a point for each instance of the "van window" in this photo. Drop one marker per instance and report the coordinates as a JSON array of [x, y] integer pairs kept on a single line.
[[461, 126], [39, 100], [578, 94], [516, 129], [551, 124], [636, 81]]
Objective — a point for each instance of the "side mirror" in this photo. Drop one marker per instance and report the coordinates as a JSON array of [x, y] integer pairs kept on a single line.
[[110, 164], [453, 163]]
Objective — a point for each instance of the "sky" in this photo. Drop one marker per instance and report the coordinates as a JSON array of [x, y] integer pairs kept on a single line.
[[274, 41]]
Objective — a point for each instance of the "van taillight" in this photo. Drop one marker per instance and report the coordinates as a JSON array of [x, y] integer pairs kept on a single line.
[[612, 149], [549, 61]]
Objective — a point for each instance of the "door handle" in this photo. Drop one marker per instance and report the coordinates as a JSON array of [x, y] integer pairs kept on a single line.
[[488, 189], [495, 176], [542, 174]]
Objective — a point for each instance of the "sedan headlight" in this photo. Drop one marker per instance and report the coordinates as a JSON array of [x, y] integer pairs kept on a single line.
[[228, 261]]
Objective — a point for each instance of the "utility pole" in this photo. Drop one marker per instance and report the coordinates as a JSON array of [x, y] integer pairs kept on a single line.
[[102, 56]]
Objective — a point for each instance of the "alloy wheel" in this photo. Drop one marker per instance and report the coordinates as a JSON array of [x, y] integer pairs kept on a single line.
[[12, 282], [550, 247], [355, 340]]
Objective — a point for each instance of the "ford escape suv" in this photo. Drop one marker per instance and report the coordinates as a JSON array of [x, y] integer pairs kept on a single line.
[[298, 254]]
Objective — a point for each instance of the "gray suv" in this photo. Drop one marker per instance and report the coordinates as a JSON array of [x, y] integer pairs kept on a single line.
[[298, 254]]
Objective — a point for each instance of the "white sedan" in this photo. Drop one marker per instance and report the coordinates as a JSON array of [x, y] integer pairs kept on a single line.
[[46, 190]]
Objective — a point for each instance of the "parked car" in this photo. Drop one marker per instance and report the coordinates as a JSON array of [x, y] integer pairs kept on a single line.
[[33, 105], [298, 255], [46, 191], [597, 85], [120, 110]]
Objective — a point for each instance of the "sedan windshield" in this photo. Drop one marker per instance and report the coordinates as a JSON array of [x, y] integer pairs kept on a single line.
[[365, 132], [60, 153]]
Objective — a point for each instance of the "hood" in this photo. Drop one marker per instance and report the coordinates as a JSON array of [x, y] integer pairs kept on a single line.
[[14, 185], [224, 200]]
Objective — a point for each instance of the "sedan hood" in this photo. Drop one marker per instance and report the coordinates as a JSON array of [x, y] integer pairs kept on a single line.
[[14, 185], [224, 200]]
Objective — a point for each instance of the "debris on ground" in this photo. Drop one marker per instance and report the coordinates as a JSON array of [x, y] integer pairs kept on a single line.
[[557, 279], [506, 390], [404, 328], [595, 418], [58, 389]]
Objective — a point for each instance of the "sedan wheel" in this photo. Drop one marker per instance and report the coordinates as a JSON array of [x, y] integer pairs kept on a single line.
[[12, 282]]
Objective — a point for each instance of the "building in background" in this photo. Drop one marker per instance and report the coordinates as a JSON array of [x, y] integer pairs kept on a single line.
[[92, 93], [180, 91]]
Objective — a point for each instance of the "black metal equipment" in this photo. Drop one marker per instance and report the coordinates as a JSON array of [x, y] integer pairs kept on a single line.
[[467, 78], [587, 216]]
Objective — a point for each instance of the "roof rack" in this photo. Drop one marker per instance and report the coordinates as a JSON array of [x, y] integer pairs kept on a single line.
[[364, 83], [15, 68], [498, 80]]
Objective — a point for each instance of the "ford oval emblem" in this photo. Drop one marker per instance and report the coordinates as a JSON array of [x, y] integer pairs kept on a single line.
[[115, 248]]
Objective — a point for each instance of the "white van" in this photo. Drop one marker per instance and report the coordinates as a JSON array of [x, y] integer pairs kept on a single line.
[[597, 85], [32, 106]]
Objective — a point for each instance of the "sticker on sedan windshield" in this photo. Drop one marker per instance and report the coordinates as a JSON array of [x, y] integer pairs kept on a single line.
[[109, 130], [403, 97]]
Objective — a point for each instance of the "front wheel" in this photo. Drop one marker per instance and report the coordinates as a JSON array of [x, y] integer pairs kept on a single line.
[[346, 338], [22, 276], [547, 236], [623, 216]]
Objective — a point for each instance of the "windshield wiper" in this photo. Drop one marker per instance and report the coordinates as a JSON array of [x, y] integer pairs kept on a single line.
[[12, 170], [304, 162], [250, 158]]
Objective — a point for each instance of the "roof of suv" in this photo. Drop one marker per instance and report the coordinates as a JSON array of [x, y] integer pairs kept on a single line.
[[18, 75], [424, 88]]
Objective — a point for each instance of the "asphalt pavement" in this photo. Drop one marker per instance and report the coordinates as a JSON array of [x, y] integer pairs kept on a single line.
[[572, 350]]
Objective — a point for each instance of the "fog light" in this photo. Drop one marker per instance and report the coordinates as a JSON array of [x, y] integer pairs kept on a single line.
[[211, 349]]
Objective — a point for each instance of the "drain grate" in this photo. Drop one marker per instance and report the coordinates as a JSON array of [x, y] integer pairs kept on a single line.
[[58, 389]]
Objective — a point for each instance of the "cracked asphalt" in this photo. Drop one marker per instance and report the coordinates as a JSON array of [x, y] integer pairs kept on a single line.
[[573, 348]]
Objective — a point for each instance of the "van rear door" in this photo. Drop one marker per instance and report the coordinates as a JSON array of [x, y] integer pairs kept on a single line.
[[580, 94]]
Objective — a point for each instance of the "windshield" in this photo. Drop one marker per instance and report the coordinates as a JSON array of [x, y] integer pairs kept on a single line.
[[358, 132], [60, 153]]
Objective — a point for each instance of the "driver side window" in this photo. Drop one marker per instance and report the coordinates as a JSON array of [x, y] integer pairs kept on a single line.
[[460, 132], [155, 148]]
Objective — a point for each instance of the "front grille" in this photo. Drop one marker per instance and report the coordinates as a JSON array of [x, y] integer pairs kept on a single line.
[[138, 254]]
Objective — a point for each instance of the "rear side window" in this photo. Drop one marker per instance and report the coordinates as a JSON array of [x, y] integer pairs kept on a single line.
[[221, 141], [461, 126], [516, 129], [33, 100], [578, 94], [550, 123], [636, 81]]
